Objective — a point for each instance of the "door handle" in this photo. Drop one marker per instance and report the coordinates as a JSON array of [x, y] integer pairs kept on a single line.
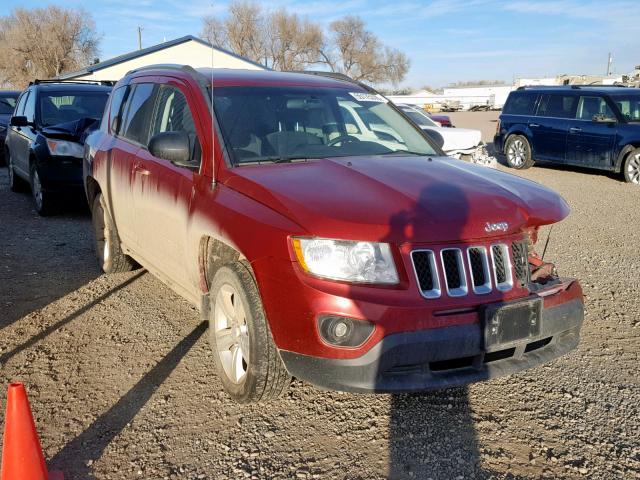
[[575, 130], [534, 125]]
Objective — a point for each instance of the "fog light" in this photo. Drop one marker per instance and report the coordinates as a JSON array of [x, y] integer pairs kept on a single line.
[[344, 332]]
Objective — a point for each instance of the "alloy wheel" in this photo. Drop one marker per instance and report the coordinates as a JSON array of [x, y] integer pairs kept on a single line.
[[633, 169], [36, 188], [516, 153], [231, 333]]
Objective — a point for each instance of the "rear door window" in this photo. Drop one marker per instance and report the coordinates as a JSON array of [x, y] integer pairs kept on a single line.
[[557, 105], [588, 107], [117, 99], [136, 120], [520, 103]]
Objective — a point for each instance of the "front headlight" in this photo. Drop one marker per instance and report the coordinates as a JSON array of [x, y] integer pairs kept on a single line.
[[358, 262], [63, 148]]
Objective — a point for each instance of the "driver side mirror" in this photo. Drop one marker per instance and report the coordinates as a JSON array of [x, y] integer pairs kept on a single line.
[[602, 118], [172, 146], [19, 121]]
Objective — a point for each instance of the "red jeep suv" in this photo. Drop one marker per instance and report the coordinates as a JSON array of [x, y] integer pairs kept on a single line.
[[356, 260]]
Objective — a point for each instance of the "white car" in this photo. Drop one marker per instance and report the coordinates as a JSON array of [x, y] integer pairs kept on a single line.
[[462, 143]]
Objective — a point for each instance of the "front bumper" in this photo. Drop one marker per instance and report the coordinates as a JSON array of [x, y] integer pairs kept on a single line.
[[440, 357], [61, 174]]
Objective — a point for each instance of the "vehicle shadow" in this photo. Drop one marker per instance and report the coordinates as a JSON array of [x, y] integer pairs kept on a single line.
[[77, 456], [42, 259], [432, 434], [502, 160]]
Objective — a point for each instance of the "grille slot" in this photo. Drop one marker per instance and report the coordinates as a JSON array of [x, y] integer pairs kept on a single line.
[[520, 256], [454, 273], [501, 267], [479, 268], [424, 264]]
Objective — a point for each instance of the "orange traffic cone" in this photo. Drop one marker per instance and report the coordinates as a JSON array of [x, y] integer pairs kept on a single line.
[[22, 457]]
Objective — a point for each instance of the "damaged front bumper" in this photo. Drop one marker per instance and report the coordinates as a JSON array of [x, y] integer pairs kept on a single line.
[[446, 357], [478, 154]]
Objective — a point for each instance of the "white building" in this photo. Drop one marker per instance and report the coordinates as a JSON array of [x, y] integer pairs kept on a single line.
[[188, 50], [465, 97]]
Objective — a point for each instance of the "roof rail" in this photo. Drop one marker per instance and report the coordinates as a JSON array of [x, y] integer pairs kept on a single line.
[[573, 86], [166, 66], [337, 76], [107, 83]]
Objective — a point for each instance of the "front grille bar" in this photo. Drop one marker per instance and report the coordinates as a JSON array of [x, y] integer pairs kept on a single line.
[[487, 268]]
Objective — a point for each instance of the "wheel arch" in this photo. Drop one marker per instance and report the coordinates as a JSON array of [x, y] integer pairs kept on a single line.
[[213, 253], [92, 189], [626, 150]]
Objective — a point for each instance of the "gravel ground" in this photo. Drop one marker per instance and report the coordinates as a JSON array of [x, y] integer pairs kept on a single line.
[[120, 374]]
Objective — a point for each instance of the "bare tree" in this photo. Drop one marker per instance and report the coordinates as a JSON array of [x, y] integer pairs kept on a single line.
[[243, 32], [292, 43], [358, 53], [44, 43]]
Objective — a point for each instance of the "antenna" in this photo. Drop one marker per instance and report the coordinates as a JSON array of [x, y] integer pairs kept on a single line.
[[213, 130], [547, 243], [139, 37]]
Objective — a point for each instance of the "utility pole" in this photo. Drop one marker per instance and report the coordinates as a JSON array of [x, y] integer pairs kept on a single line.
[[139, 38], [609, 65]]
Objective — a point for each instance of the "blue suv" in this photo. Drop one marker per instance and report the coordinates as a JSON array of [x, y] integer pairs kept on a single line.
[[587, 126]]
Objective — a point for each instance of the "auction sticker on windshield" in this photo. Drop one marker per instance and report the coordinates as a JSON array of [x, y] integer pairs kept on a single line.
[[368, 97]]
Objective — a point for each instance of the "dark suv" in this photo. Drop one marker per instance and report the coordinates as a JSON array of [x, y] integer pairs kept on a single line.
[[44, 141], [588, 126], [8, 101]]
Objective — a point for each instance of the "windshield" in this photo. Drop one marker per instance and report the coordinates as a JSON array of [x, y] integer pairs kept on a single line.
[[419, 118], [629, 106], [274, 124], [7, 104], [62, 107]]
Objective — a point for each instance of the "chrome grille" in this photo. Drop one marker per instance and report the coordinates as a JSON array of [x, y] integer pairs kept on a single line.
[[478, 268]]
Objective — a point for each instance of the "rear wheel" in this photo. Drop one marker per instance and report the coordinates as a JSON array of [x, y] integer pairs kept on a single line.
[[107, 244], [631, 168], [246, 358], [43, 201], [518, 152]]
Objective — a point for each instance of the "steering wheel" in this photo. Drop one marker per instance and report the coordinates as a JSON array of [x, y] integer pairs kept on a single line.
[[343, 138]]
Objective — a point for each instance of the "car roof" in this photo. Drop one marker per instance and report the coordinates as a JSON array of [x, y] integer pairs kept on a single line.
[[607, 89], [223, 77], [9, 93]]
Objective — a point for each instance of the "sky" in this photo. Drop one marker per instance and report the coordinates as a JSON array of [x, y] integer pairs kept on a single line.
[[446, 40]]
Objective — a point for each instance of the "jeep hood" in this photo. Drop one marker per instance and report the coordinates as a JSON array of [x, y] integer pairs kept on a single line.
[[398, 199]]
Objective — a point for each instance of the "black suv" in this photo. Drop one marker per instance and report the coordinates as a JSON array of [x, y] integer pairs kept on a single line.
[[588, 126], [44, 142]]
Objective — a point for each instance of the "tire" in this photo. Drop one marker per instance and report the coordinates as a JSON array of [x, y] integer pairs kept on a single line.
[[518, 152], [43, 201], [246, 358], [631, 167], [107, 244], [16, 184]]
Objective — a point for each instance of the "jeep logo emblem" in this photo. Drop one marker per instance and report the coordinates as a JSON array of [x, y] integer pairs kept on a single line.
[[496, 227]]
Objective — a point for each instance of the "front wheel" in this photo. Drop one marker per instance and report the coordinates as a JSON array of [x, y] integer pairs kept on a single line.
[[518, 152], [16, 184], [43, 201], [246, 358], [110, 256], [631, 168]]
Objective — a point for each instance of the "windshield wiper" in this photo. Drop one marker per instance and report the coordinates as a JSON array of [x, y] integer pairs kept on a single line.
[[272, 159], [405, 152]]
